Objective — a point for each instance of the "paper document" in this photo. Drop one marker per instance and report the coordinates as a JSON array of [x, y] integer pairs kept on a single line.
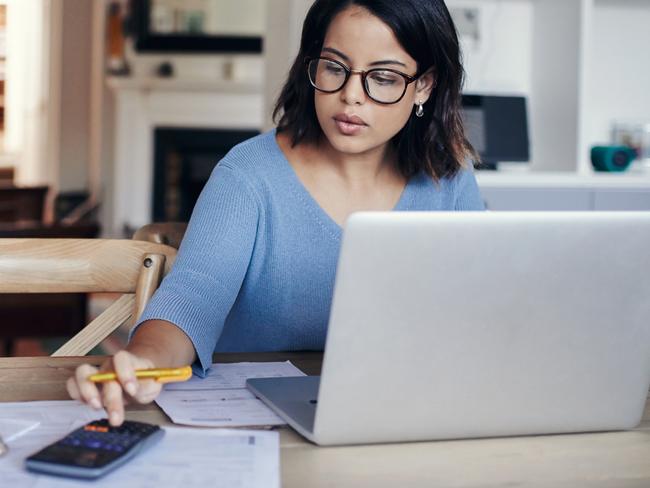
[[221, 399], [54, 419], [11, 429], [195, 457], [184, 457]]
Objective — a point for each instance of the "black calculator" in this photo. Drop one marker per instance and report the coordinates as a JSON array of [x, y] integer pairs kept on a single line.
[[95, 449]]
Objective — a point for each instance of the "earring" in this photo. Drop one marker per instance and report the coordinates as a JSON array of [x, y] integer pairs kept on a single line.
[[419, 111]]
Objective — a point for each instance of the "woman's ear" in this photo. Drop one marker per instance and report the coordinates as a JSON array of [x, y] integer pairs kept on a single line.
[[425, 85]]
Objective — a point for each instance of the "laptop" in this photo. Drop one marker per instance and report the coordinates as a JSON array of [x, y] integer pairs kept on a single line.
[[479, 324]]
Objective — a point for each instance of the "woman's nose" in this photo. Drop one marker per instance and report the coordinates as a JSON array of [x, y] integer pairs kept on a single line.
[[354, 93]]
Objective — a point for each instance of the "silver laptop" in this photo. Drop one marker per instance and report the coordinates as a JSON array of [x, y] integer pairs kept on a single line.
[[464, 325]]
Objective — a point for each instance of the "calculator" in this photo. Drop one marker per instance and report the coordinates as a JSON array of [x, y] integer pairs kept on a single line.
[[95, 449]]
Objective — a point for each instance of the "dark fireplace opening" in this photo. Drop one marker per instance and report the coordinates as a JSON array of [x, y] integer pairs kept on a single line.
[[183, 161]]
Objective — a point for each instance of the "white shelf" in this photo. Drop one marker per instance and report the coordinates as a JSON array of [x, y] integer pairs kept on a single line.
[[582, 63], [182, 84], [496, 179]]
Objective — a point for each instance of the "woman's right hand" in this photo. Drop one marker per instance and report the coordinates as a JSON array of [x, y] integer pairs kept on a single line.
[[113, 395]]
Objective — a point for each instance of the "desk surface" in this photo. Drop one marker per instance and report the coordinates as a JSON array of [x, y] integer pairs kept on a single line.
[[613, 459]]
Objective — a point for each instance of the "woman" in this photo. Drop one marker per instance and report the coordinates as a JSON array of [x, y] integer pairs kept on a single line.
[[368, 120]]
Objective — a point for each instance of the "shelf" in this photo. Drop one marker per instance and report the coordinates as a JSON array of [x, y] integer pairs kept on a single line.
[[628, 180], [182, 85]]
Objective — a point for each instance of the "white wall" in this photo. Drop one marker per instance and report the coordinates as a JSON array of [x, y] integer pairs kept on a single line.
[[554, 101], [48, 70], [26, 92], [619, 75], [499, 60]]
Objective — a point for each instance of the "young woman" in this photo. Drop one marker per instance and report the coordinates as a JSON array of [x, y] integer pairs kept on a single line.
[[368, 120]]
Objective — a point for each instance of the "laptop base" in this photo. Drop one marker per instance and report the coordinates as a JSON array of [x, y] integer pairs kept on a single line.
[[293, 399]]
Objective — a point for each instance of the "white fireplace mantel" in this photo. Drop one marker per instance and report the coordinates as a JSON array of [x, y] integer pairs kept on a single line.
[[141, 105]]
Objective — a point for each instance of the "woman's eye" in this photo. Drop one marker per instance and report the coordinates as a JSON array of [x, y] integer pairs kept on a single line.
[[384, 79], [334, 69]]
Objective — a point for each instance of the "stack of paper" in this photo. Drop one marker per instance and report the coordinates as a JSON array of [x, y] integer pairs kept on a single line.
[[184, 457], [221, 399]]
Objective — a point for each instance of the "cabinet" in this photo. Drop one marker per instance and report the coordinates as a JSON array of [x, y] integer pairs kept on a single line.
[[557, 191]]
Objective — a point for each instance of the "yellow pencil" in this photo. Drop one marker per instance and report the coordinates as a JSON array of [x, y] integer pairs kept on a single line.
[[161, 375]]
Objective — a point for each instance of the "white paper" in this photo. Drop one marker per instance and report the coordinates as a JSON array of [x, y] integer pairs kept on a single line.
[[11, 429], [221, 399], [188, 457], [184, 457], [55, 418]]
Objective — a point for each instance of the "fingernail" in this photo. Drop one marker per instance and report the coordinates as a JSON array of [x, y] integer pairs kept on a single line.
[[95, 403], [130, 388], [115, 418]]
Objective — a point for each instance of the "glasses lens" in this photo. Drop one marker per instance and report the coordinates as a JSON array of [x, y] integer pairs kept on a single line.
[[385, 86], [326, 75]]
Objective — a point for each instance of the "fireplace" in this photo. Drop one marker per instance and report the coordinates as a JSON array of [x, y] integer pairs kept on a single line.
[[169, 134], [183, 161]]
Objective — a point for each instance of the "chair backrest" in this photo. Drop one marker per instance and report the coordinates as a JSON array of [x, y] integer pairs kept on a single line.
[[134, 268], [170, 233]]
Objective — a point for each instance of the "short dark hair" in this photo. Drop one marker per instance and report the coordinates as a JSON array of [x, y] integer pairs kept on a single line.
[[434, 143]]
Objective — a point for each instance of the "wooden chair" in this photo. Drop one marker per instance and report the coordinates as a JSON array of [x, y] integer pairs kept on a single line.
[[42, 315], [134, 268], [169, 233]]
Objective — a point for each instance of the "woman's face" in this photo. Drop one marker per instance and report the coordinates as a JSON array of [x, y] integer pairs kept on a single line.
[[352, 122]]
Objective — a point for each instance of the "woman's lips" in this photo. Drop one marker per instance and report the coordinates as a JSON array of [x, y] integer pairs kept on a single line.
[[349, 125]]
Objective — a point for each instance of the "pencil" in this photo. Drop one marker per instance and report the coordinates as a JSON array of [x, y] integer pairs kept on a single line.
[[162, 375]]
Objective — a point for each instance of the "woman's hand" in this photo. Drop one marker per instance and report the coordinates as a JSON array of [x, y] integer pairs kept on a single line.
[[113, 395], [156, 343]]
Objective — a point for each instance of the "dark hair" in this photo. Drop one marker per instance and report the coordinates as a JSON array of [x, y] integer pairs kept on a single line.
[[434, 143]]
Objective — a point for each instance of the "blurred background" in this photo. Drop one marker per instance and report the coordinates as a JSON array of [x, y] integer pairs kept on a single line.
[[113, 113]]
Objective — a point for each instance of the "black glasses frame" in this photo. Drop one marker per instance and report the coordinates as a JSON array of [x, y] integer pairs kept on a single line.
[[364, 75]]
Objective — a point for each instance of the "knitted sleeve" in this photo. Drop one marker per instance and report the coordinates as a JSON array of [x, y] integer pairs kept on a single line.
[[204, 282]]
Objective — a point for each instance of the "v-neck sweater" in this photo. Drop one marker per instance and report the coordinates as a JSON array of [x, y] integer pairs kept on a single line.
[[255, 270]]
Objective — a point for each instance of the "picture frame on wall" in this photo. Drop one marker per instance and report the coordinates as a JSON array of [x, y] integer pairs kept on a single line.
[[157, 27]]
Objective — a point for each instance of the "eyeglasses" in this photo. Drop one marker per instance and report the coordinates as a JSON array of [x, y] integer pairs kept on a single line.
[[383, 85]]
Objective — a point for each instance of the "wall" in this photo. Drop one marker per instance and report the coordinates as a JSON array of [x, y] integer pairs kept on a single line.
[[75, 95], [26, 94], [620, 74], [48, 91], [498, 61], [283, 30]]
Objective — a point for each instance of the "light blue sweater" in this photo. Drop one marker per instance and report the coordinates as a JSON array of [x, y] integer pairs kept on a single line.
[[255, 271]]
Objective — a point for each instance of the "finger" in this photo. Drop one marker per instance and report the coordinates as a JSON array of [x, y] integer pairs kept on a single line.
[[123, 364], [88, 391], [113, 402], [147, 391], [73, 390]]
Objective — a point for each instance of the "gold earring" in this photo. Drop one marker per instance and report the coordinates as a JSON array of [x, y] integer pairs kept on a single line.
[[419, 111]]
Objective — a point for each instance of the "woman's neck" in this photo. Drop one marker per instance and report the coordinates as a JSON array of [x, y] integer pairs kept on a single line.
[[368, 166], [354, 170]]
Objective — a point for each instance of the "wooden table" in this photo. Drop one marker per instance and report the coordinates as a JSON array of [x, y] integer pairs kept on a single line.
[[613, 459]]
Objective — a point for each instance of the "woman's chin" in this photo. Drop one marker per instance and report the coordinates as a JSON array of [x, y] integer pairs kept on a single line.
[[349, 144]]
